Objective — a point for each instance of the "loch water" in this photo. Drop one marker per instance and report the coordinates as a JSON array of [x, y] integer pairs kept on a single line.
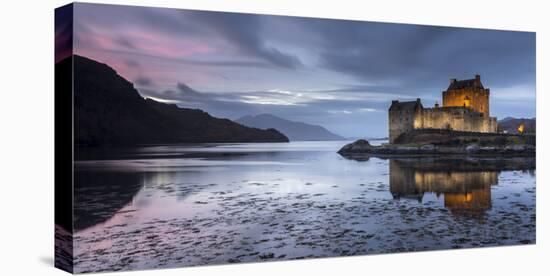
[[186, 205]]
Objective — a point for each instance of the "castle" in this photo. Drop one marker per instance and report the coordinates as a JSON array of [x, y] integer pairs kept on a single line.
[[467, 189], [465, 108]]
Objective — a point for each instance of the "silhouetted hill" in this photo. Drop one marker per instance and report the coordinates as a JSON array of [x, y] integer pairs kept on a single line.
[[295, 131], [108, 110], [510, 125]]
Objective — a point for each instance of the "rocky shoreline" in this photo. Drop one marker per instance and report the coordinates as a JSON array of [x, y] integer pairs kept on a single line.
[[363, 147]]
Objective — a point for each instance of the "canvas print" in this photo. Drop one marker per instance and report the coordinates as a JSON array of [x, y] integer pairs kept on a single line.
[[188, 138]]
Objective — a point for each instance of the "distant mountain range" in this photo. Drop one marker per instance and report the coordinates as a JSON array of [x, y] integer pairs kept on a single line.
[[295, 131], [511, 125], [108, 110]]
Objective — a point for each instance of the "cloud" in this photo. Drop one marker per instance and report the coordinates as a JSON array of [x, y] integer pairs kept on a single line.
[[367, 110], [63, 32], [419, 58], [310, 102], [336, 73], [515, 93], [125, 42], [187, 91], [168, 101], [340, 111], [358, 110], [245, 32], [143, 81], [173, 34]]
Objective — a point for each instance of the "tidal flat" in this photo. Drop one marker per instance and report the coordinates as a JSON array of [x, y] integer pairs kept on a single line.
[[188, 205]]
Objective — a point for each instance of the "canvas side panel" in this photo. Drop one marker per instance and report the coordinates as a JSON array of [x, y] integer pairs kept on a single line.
[[64, 138]]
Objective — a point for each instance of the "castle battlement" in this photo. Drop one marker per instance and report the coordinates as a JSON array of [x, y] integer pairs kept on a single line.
[[465, 108]]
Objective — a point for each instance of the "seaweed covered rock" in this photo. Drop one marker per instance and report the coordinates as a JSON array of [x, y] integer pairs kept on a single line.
[[358, 146]]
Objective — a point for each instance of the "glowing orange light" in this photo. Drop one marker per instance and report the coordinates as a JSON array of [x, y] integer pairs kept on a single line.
[[467, 102], [521, 128]]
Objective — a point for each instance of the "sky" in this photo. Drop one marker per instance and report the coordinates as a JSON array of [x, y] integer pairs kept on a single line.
[[340, 74]]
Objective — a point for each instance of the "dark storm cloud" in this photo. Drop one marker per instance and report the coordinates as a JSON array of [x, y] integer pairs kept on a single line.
[[143, 81], [186, 93], [245, 31], [421, 57], [222, 105], [181, 94], [125, 42]]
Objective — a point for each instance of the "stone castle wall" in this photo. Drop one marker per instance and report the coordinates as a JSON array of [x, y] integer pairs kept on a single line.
[[454, 118], [400, 121]]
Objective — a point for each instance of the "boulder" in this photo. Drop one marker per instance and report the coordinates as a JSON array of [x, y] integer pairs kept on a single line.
[[358, 146]]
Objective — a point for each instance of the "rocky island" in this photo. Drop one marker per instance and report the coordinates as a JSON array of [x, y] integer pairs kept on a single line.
[[432, 142], [462, 125]]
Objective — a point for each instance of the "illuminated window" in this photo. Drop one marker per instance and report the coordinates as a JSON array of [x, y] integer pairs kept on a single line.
[[467, 101]]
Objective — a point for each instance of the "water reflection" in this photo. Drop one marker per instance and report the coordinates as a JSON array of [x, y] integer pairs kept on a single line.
[[99, 195], [463, 184], [102, 194], [167, 206]]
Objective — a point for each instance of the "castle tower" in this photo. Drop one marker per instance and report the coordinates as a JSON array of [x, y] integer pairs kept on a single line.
[[402, 117], [467, 93]]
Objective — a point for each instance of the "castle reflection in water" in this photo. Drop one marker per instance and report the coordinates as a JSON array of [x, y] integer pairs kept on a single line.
[[464, 185]]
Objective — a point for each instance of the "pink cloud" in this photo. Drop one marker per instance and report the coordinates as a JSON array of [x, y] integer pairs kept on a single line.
[[142, 42], [167, 46], [152, 55]]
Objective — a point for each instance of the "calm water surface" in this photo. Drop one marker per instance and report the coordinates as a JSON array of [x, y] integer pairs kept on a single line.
[[170, 206]]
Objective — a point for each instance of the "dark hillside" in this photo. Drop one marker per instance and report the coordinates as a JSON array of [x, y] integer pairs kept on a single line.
[[108, 110]]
